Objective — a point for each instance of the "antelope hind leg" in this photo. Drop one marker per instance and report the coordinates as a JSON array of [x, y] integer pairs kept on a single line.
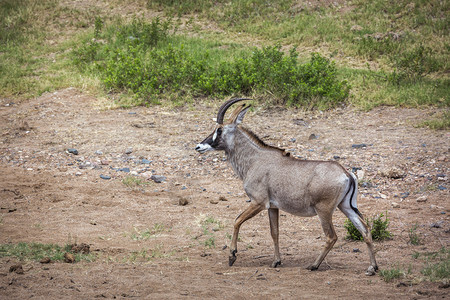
[[367, 236]]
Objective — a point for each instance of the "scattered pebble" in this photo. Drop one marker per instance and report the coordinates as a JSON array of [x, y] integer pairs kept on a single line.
[[422, 199], [395, 205], [45, 260], [72, 151], [145, 161], [182, 201], [129, 151], [393, 172], [359, 146], [313, 137], [213, 201], [158, 178], [99, 152], [106, 177], [69, 258], [438, 224]]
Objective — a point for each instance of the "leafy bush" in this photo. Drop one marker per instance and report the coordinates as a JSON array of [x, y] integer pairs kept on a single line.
[[378, 226], [147, 61]]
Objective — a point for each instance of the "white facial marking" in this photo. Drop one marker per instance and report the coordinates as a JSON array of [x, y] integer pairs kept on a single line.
[[202, 148], [215, 135]]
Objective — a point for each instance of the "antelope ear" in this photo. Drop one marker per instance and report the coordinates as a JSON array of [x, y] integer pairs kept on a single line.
[[241, 115]]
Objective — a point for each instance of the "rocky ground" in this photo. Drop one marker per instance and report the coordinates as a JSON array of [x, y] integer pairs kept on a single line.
[[158, 216]]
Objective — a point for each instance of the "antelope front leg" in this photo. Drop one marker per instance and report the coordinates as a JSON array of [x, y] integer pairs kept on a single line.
[[273, 220], [249, 213]]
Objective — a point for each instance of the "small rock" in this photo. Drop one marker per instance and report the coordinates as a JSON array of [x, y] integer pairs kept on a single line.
[[72, 151], [213, 201], [422, 199], [18, 269], [395, 205], [182, 201], [45, 260], [438, 224], [129, 151], [158, 178], [404, 195], [222, 198], [69, 258], [394, 173], [106, 177], [145, 161], [359, 146], [356, 250], [99, 152], [313, 137], [104, 162], [360, 174], [126, 170]]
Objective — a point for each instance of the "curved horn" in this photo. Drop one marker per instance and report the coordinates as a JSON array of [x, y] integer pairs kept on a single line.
[[225, 106]]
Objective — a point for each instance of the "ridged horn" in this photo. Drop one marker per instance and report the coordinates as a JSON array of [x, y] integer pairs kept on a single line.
[[223, 109]]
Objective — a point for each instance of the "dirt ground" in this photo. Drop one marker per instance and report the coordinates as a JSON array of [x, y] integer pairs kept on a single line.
[[148, 245]]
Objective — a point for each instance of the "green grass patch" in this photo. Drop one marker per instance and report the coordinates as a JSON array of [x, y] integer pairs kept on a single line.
[[379, 229], [437, 264], [390, 274], [146, 234], [441, 122], [38, 251]]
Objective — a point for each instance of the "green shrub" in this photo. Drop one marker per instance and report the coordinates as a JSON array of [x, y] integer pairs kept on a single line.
[[146, 61], [379, 229]]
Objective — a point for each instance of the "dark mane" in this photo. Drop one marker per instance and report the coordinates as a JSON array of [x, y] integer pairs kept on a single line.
[[261, 143]]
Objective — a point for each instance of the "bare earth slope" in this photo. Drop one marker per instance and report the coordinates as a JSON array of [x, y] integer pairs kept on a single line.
[[148, 245]]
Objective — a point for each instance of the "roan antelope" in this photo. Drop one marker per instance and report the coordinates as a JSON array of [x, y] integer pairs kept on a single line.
[[274, 180]]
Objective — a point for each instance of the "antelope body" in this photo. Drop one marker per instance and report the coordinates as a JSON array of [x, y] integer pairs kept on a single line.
[[273, 180]]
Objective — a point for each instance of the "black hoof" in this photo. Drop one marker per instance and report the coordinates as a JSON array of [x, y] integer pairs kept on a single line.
[[276, 264], [231, 260], [312, 268]]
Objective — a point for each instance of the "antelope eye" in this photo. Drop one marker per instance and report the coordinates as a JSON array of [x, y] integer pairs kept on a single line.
[[219, 131]]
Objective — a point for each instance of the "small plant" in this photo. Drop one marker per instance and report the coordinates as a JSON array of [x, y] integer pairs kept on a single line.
[[413, 236], [147, 233], [379, 229], [134, 182], [438, 270], [390, 274]]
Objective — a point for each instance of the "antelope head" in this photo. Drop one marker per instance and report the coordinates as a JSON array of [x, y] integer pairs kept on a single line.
[[222, 138]]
